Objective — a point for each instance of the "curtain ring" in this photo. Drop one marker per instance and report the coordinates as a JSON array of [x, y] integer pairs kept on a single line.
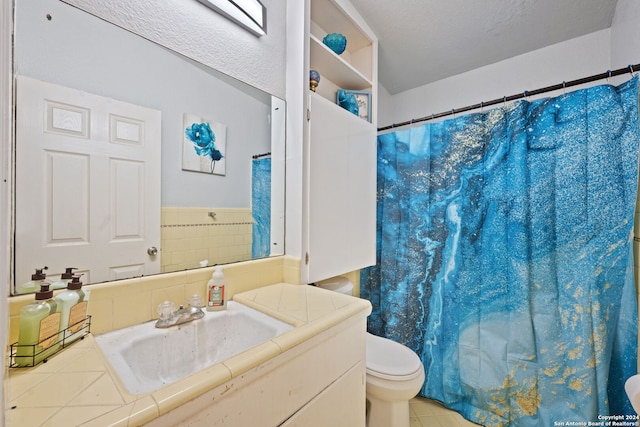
[[608, 75], [481, 106], [631, 69], [504, 99], [564, 88]]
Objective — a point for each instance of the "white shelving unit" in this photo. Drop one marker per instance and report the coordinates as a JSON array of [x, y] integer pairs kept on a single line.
[[335, 68], [356, 67], [341, 150]]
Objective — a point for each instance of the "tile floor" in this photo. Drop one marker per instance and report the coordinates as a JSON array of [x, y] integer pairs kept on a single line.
[[429, 413]]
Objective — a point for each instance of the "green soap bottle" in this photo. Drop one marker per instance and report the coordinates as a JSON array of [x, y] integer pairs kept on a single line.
[[39, 332], [73, 304]]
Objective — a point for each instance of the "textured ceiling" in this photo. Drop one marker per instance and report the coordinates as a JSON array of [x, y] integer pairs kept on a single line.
[[422, 41]]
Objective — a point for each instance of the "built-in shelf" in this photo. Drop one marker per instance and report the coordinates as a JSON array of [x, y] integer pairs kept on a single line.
[[355, 68], [336, 69], [332, 18]]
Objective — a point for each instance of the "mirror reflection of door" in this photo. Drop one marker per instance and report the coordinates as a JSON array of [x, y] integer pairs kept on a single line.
[[65, 140]]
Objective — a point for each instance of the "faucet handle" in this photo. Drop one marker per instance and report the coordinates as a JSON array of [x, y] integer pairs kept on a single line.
[[166, 309], [195, 301]]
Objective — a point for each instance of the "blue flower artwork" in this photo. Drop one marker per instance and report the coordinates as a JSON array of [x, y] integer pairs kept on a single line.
[[204, 145]]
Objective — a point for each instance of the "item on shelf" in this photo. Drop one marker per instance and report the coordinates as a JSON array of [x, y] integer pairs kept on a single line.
[[314, 79], [348, 101], [336, 42]]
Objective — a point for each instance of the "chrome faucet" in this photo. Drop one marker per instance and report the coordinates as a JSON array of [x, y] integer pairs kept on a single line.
[[171, 317]]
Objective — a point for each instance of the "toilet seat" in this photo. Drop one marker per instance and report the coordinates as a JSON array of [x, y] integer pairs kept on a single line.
[[389, 360]]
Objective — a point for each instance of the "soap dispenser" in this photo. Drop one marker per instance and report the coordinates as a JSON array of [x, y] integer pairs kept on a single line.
[[36, 280], [64, 279], [217, 291], [73, 305], [38, 335]]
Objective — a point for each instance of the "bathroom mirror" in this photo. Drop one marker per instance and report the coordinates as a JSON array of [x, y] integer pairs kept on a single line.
[[134, 160]]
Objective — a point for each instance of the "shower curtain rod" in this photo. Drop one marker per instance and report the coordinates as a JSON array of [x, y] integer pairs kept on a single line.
[[257, 156], [630, 69]]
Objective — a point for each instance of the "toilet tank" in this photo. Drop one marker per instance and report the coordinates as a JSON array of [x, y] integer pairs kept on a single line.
[[337, 284]]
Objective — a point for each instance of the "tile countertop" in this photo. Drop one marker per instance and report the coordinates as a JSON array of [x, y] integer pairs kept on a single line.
[[77, 387]]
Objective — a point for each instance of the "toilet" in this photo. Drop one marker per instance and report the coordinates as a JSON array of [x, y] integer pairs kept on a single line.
[[394, 372]]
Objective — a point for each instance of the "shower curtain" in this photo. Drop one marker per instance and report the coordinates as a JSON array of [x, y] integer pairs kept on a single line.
[[261, 207], [505, 256]]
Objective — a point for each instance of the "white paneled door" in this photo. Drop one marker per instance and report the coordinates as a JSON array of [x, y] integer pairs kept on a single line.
[[87, 184]]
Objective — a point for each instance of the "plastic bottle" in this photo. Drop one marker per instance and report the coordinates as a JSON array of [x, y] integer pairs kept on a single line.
[[39, 332], [72, 305], [217, 291], [36, 281], [64, 279]]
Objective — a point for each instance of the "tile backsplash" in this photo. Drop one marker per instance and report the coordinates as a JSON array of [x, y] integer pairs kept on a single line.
[[191, 235], [115, 305]]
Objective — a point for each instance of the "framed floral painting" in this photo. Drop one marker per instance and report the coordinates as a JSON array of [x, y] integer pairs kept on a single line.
[[204, 145]]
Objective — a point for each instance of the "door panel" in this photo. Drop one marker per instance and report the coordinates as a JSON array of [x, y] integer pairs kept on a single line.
[[127, 195], [68, 177]]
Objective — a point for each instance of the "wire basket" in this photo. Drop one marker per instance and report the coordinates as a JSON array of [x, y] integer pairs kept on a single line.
[[29, 355]]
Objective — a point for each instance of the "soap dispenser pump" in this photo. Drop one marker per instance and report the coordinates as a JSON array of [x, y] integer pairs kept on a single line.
[[64, 279], [217, 291], [36, 281]]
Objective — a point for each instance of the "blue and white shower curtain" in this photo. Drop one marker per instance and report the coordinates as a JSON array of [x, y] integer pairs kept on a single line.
[[505, 256], [261, 207]]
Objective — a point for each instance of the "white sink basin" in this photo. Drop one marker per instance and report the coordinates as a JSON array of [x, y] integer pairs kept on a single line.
[[147, 358]]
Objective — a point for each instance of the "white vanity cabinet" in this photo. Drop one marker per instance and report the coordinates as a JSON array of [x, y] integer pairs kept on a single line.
[[341, 150], [319, 381]]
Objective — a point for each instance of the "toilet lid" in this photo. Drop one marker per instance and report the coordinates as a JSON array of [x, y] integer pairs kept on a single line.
[[389, 359]]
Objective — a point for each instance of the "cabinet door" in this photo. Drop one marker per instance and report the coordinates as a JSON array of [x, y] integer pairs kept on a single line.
[[342, 404], [342, 191]]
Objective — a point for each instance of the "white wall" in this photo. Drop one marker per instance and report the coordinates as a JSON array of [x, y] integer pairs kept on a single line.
[[385, 106], [109, 61], [199, 33], [573, 59], [625, 40]]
